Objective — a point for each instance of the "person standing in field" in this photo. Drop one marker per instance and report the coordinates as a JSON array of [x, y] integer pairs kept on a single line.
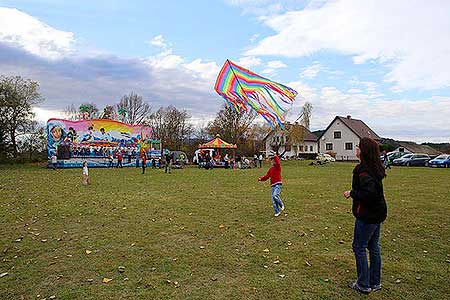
[[260, 159], [85, 173], [54, 159], [370, 210], [274, 174], [144, 162], [119, 159], [169, 158]]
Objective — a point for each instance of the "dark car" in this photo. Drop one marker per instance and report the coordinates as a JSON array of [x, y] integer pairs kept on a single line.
[[417, 160], [441, 161]]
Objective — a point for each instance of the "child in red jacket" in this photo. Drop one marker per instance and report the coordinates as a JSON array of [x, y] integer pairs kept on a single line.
[[274, 174]]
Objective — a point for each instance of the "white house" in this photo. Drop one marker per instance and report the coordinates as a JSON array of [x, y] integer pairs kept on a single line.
[[280, 139], [343, 135]]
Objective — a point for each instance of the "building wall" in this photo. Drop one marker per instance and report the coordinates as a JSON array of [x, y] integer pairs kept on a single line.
[[338, 144], [402, 149], [295, 149]]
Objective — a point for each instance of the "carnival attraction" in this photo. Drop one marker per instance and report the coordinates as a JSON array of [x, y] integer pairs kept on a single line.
[[101, 142], [214, 150]]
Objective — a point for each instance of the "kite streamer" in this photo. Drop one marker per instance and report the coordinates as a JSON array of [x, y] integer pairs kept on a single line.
[[242, 89]]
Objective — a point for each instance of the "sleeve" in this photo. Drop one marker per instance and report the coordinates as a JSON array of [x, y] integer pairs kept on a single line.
[[367, 188], [276, 159], [265, 177]]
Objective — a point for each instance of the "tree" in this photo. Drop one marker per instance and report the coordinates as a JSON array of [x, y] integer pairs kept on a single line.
[[71, 112], [34, 141], [231, 124], [133, 110], [171, 126], [17, 97], [88, 111], [109, 112]]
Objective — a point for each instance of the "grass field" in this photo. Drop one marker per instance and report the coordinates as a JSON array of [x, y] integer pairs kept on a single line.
[[198, 234]]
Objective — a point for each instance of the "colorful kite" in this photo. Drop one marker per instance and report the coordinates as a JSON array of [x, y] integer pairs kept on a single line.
[[242, 89]]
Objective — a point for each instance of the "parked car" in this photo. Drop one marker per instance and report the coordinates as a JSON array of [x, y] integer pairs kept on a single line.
[[401, 161], [417, 160], [394, 155], [441, 161], [324, 157]]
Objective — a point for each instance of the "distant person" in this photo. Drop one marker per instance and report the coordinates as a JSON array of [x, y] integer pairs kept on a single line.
[[85, 173], [238, 161], [111, 160], [119, 160], [386, 160], [227, 161], [137, 160], [255, 160], [144, 162], [370, 210], [169, 159], [260, 159], [153, 163], [54, 160], [274, 173]]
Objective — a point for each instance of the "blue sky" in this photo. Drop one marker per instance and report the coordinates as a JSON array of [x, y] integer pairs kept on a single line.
[[363, 58]]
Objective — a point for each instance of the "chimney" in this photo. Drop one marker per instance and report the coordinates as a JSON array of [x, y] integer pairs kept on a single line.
[[349, 117]]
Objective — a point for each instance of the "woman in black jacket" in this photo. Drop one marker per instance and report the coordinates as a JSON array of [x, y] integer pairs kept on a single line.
[[369, 209]]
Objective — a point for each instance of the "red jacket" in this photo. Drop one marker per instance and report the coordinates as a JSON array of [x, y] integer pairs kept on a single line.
[[274, 172]]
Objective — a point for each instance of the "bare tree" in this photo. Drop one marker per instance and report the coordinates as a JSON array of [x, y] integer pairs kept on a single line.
[[71, 112], [109, 112], [34, 141], [171, 126], [231, 124], [17, 97], [133, 110]]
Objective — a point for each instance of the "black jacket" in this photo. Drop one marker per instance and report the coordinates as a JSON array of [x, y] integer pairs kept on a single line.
[[369, 204]]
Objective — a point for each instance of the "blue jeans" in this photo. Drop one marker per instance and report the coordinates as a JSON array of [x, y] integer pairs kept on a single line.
[[276, 199], [367, 236]]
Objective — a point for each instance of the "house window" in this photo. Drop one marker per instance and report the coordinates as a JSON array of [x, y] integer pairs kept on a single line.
[[301, 148], [348, 146], [337, 135], [311, 149], [329, 146]]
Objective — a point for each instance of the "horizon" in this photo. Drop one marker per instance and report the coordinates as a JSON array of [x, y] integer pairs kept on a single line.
[[377, 66]]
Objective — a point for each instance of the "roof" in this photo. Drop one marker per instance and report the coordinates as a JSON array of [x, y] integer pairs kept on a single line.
[[216, 144], [417, 148], [309, 136], [357, 126]]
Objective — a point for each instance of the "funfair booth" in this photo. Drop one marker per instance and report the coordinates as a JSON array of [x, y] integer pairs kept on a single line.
[[100, 142], [216, 149]]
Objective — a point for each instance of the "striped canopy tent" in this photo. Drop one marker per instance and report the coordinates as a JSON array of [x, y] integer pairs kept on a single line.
[[217, 143]]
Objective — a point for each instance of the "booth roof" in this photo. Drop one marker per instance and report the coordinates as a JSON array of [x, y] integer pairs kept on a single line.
[[217, 143]]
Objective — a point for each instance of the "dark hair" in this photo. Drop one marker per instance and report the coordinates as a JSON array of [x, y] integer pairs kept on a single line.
[[370, 157]]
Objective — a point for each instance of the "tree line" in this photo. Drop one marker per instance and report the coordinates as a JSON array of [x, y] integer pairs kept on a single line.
[[23, 138]]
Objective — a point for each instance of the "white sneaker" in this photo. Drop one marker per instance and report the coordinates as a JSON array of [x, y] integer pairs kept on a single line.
[[277, 214], [282, 208]]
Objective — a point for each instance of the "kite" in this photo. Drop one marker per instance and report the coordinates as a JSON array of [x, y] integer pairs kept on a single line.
[[242, 89]]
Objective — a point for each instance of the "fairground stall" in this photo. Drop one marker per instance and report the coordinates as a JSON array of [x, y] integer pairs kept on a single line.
[[100, 142], [216, 149]]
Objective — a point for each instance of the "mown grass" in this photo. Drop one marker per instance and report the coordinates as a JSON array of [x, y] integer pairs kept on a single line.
[[167, 227]]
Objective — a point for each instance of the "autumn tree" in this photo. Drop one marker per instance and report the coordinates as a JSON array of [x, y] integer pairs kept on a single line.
[[231, 124], [171, 126], [17, 98]]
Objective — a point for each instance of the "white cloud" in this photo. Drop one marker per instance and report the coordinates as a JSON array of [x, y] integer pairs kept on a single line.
[[410, 37], [254, 37], [158, 41], [276, 64], [19, 29], [249, 61], [165, 60], [311, 71]]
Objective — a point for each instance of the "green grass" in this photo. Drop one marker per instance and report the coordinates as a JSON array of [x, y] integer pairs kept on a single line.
[[166, 227]]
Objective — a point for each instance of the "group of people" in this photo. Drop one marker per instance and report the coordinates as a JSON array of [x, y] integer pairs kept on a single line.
[[368, 206], [208, 161]]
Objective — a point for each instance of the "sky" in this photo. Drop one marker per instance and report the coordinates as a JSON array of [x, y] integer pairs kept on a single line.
[[384, 62]]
